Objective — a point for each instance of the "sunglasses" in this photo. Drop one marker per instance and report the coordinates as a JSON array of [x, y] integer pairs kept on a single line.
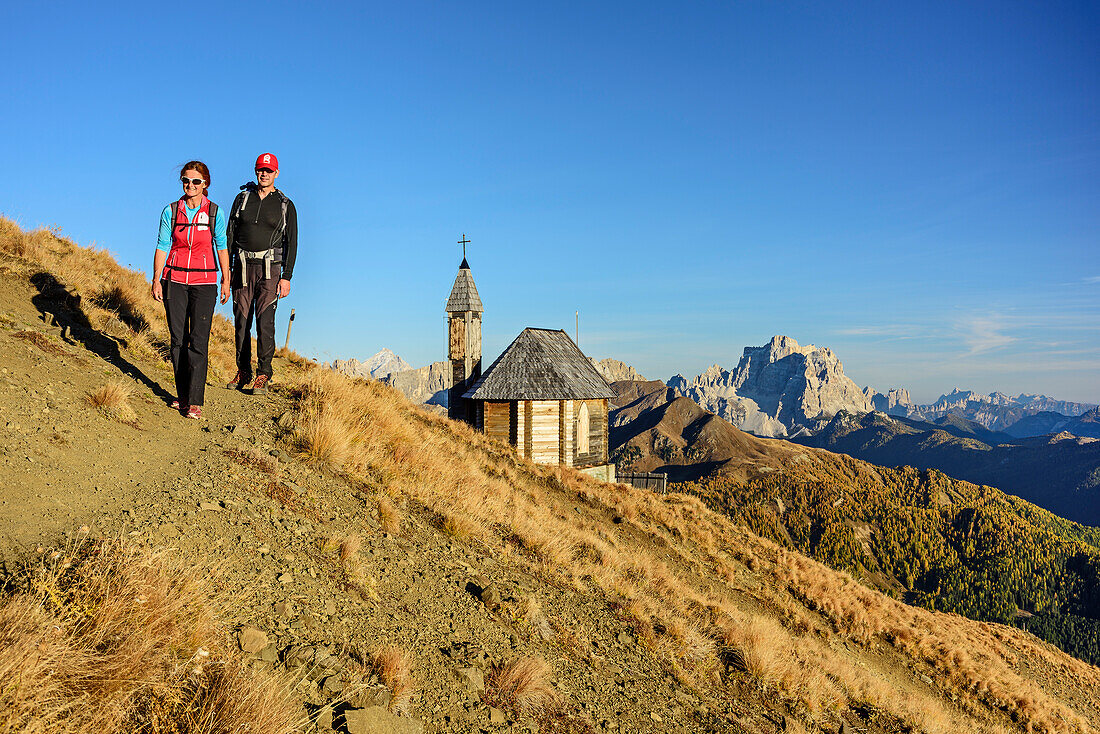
[[192, 181], [264, 170]]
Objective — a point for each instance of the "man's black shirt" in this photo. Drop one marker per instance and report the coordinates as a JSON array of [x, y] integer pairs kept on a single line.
[[255, 229]]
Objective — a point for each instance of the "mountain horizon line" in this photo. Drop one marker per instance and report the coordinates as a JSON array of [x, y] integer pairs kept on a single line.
[[381, 361]]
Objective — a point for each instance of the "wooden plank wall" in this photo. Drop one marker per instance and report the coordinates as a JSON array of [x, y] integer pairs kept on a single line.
[[497, 420], [598, 439], [528, 414], [521, 424], [456, 341], [473, 338], [566, 430], [544, 431]]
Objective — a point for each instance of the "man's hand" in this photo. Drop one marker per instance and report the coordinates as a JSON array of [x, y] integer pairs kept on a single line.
[[284, 288], [225, 289]]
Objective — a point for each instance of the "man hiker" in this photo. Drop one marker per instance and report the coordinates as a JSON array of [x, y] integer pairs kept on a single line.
[[263, 242]]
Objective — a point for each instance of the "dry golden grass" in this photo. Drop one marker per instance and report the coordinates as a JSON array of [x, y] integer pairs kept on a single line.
[[533, 617], [111, 395], [293, 357], [678, 573], [118, 626], [114, 400], [521, 686], [394, 668], [762, 648], [145, 344], [460, 526], [389, 517], [349, 548], [325, 439]]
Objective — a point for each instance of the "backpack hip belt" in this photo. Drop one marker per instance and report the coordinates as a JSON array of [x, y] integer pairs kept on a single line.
[[267, 256]]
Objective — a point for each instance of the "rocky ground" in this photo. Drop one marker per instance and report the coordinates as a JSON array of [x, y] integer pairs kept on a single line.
[[226, 493]]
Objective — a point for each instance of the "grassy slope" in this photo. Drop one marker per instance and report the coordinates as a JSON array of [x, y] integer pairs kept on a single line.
[[946, 543], [943, 543], [723, 613]]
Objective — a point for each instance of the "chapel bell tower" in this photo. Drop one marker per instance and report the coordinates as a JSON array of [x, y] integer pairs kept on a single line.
[[464, 311]]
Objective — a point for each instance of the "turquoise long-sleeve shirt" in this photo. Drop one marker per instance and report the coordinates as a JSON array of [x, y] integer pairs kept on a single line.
[[164, 237]]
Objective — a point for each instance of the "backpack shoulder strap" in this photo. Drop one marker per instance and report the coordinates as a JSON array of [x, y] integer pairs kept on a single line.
[[212, 214], [285, 201], [243, 199], [173, 217]]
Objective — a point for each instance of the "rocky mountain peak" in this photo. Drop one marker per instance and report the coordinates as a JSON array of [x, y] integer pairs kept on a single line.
[[614, 370], [776, 387], [377, 366]]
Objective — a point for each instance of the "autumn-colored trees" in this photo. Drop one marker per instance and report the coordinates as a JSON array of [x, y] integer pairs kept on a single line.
[[936, 541]]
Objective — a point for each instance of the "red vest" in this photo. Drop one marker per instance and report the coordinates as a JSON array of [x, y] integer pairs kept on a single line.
[[192, 260]]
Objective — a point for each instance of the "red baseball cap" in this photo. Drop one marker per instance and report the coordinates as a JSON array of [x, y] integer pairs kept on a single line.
[[268, 160]]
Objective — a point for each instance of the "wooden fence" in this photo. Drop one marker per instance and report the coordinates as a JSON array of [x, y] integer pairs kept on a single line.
[[644, 480]]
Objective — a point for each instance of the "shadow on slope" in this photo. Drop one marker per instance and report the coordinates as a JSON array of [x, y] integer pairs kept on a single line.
[[63, 306]]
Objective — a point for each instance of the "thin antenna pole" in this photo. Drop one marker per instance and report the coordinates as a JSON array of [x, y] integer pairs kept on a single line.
[[577, 333]]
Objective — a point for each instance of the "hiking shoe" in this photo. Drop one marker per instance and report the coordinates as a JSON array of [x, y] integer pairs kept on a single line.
[[259, 387], [193, 412], [238, 382]]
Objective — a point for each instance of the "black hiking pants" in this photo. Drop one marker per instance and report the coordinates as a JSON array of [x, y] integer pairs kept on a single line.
[[190, 311], [256, 299]]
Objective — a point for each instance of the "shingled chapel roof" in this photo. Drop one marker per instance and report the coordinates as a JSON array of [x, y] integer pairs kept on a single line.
[[541, 364], [464, 295]]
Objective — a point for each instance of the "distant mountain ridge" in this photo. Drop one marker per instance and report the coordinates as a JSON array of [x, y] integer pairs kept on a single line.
[[379, 365], [425, 385], [783, 389], [1046, 422], [1060, 472], [998, 411], [654, 427]]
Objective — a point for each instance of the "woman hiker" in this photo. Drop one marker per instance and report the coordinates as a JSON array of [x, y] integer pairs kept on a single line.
[[185, 269]]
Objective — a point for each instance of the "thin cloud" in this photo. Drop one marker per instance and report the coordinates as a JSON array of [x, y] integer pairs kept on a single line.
[[983, 334], [892, 331], [1091, 279]]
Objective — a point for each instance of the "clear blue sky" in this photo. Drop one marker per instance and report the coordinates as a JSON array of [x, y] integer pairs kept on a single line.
[[915, 185]]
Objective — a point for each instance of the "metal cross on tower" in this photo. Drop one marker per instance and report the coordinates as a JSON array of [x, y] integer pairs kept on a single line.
[[463, 242]]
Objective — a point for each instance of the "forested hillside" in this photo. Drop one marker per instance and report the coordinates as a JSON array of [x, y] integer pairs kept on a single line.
[[935, 541]]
